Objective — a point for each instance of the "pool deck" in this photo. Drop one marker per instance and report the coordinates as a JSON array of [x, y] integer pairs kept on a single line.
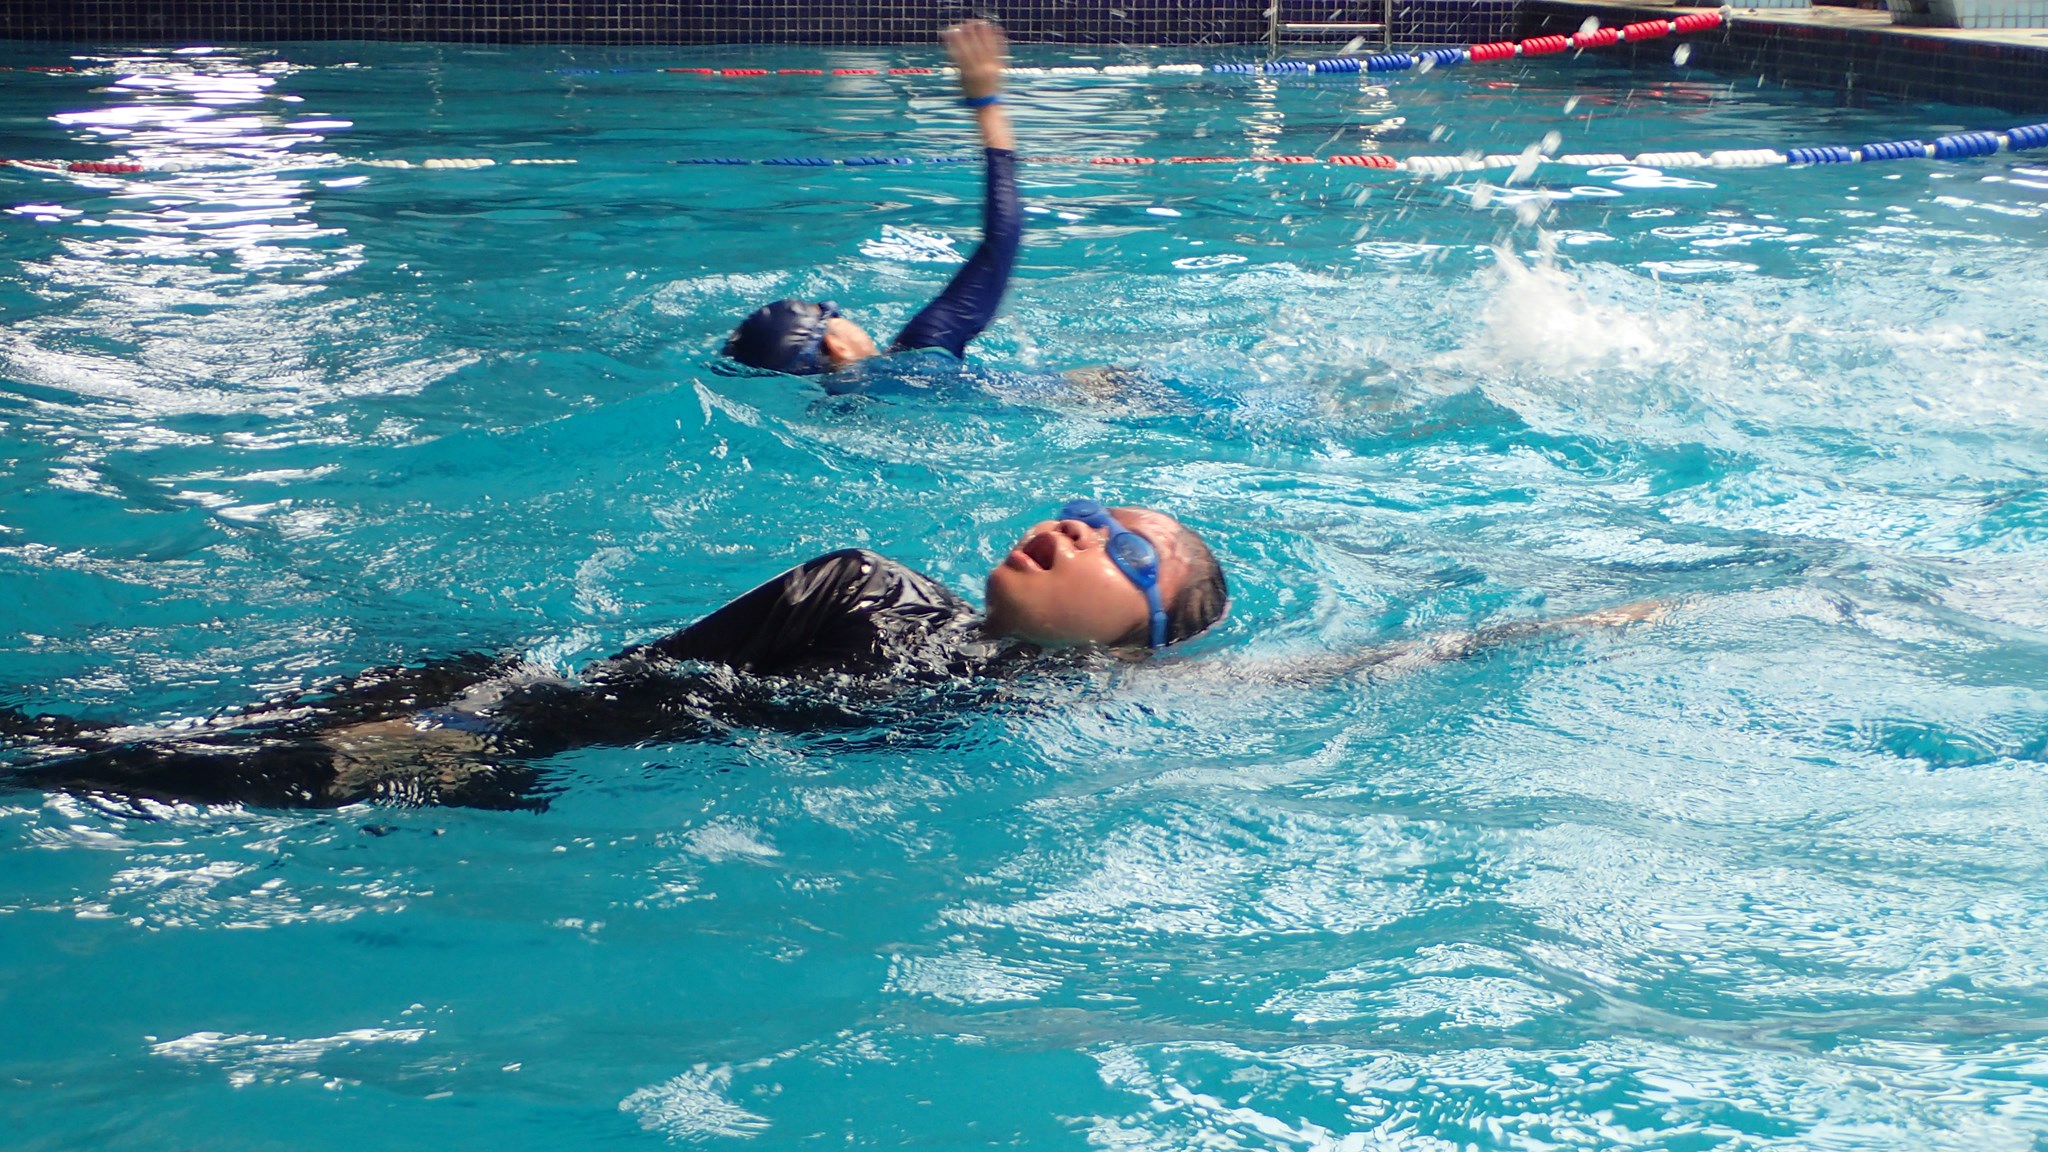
[[1855, 52]]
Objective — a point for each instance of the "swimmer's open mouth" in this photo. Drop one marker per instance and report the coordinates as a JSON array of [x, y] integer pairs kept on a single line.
[[1041, 550]]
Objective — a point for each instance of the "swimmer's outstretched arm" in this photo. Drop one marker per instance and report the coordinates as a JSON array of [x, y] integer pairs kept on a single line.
[[969, 301], [977, 48], [1408, 655]]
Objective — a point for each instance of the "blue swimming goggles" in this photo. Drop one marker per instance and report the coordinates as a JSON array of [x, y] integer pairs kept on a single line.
[[1133, 555], [809, 360]]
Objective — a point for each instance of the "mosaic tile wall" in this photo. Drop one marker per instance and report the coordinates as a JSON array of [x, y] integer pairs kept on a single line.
[[729, 21], [1855, 62], [631, 21], [1415, 21]]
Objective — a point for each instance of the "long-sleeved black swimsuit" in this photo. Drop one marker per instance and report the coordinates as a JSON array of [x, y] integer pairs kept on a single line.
[[832, 642]]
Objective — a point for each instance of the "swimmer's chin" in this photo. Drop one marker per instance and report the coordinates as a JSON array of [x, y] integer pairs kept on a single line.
[[1000, 621]]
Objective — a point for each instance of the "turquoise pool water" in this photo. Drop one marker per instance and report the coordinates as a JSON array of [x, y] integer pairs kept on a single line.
[[1772, 874]]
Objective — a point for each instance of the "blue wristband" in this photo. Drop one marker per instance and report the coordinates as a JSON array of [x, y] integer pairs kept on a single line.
[[982, 101]]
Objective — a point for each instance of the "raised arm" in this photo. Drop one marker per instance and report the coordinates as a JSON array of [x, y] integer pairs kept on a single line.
[[969, 301], [977, 49]]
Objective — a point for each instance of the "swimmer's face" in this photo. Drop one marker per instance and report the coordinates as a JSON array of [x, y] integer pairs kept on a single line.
[[847, 343], [1058, 587]]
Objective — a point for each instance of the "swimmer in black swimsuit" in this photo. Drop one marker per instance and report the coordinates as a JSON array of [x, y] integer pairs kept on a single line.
[[847, 640], [809, 338], [828, 643]]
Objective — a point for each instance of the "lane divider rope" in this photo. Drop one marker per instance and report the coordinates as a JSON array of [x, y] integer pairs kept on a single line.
[[1591, 37], [1957, 146], [1423, 59]]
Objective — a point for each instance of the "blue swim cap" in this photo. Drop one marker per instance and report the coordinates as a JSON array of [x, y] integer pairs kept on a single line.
[[786, 336]]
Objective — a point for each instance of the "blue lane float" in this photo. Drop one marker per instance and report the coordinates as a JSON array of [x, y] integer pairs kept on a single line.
[[1965, 144], [1826, 154], [1954, 147], [1590, 37], [2028, 136], [1894, 150]]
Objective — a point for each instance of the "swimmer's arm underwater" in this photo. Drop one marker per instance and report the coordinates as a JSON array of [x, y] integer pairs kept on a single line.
[[1401, 657], [969, 301]]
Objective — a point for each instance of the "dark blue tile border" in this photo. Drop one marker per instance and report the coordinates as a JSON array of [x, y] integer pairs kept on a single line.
[[1186, 22], [1854, 62], [630, 21]]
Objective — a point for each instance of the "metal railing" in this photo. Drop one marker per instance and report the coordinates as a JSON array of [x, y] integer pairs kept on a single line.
[[1278, 27]]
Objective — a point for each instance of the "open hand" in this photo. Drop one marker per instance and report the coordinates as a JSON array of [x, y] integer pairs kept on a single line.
[[977, 47]]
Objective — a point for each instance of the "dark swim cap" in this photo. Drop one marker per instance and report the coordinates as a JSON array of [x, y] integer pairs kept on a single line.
[[786, 336]]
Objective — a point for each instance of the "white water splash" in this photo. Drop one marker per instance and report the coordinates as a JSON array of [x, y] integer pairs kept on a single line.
[[1538, 318], [693, 1106], [256, 1058], [729, 839], [911, 246]]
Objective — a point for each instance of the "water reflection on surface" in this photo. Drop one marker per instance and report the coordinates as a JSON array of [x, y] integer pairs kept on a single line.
[[1767, 875]]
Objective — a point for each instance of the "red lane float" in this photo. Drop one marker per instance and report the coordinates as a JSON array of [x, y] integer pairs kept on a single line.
[[1123, 160], [1365, 161], [1477, 53]]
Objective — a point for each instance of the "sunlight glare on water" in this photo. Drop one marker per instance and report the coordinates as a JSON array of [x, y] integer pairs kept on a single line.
[[1767, 874]]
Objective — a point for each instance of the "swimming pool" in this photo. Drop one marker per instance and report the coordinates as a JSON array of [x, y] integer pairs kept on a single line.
[[1767, 875]]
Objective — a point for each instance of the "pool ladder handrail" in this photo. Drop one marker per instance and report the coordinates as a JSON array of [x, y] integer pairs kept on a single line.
[[1277, 27]]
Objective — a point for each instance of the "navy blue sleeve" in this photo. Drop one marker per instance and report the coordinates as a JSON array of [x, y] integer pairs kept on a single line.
[[969, 301]]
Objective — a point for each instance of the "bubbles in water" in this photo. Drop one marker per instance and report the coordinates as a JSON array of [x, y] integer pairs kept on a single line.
[[1683, 54]]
